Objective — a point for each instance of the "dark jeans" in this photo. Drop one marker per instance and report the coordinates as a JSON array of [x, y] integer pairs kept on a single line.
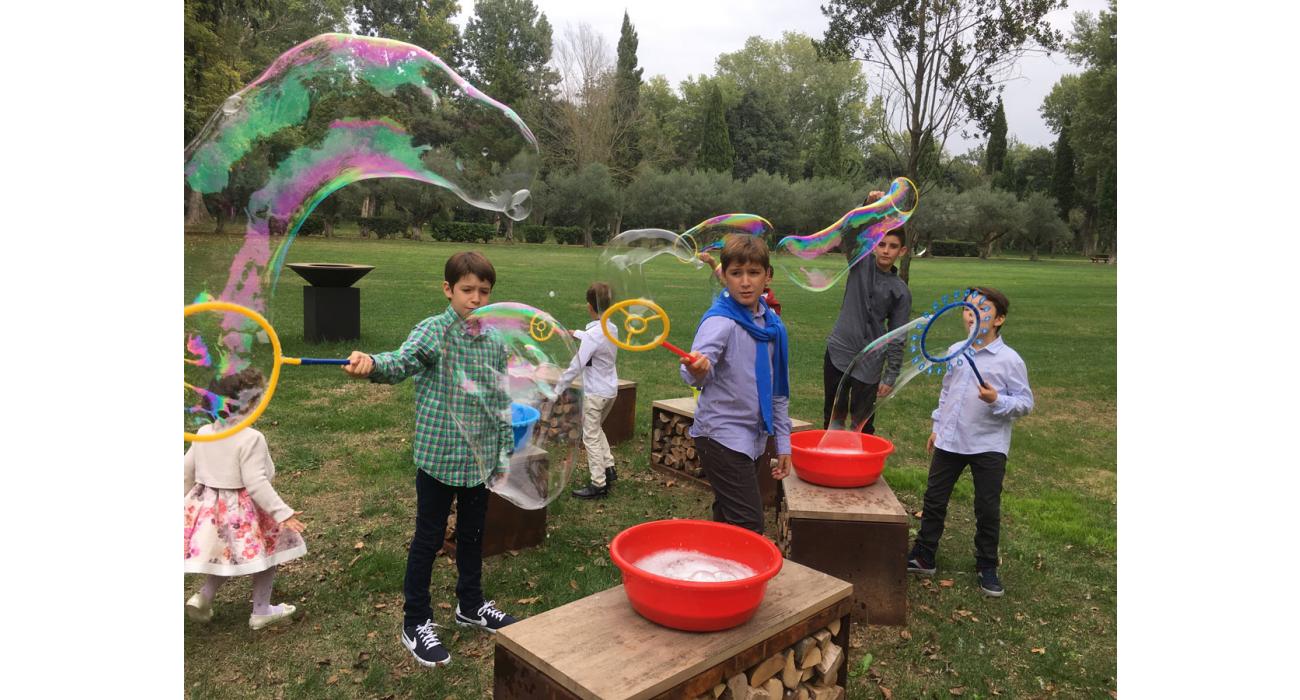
[[859, 399], [987, 470], [734, 478], [433, 505]]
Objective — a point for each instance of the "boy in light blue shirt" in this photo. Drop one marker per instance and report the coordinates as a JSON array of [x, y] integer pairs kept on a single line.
[[972, 426]]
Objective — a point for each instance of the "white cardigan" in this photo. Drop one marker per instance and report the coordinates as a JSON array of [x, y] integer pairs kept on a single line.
[[239, 461]]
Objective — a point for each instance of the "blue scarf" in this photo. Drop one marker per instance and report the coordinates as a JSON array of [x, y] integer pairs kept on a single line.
[[773, 332]]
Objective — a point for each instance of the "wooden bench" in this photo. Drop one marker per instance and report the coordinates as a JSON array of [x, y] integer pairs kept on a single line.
[[1101, 258], [670, 419], [618, 425], [507, 526], [600, 648], [859, 535]]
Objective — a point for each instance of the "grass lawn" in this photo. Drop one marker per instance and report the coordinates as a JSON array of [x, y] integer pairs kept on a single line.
[[341, 449]]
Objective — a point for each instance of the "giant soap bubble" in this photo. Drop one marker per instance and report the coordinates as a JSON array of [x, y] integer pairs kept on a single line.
[[329, 112], [819, 260], [927, 345], [337, 109], [502, 361]]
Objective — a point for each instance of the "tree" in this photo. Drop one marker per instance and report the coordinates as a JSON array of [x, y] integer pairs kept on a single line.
[[1026, 169], [659, 130], [996, 153], [828, 160], [1083, 109], [938, 62], [586, 198], [627, 96], [945, 215], [1063, 174], [580, 124], [1042, 228], [716, 152], [425, 23], [761, 142], [992, 215], [505, 51]]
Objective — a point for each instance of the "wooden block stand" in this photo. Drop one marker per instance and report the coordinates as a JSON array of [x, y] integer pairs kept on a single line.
[[507, 525], [672, 449], [618, 425], [859, 535], [600, 648]]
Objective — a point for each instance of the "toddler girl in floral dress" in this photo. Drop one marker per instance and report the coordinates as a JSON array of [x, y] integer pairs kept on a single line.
[[235, 522]]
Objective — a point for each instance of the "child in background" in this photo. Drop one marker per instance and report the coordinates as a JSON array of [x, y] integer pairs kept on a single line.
[[446, 467], [972, 426], [235, 522], [740, 362], [595, 359]]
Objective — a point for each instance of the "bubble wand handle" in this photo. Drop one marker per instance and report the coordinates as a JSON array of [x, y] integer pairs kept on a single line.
[[676, 350], [315, 361], [971, 359]]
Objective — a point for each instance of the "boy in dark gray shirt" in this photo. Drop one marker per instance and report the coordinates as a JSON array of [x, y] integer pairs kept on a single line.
[[876, 300]]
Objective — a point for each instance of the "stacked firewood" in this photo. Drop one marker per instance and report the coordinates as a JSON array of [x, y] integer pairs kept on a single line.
[[672, 446], [809, 670], [565, 422]]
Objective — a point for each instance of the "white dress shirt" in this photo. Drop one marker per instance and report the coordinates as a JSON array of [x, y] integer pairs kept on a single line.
[[965, 424], [595, 359]]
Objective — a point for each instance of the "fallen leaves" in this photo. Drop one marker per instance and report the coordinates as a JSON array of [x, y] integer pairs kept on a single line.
[[528, 601], [445, 606], [359, 545], [573, 584], [946, 583], [959, 690], [1038, 650]]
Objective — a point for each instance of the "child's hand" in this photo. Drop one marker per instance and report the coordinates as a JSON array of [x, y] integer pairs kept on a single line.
[[781, 467], [883, 391], [697, 364], [929, 444], [359, 364], [875, 195], [988, 394], [293, 523]]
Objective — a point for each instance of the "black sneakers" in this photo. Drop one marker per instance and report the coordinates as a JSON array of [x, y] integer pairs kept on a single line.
[[916, 564], [487, 617], [592, 491], [610, 475], [424, 644], [990, 585]]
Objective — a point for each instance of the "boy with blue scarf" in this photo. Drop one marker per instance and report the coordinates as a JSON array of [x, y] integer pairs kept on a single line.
[[740, 363]]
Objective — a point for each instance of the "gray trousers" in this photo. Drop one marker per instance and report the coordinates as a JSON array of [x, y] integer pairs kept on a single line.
[[734, 478]]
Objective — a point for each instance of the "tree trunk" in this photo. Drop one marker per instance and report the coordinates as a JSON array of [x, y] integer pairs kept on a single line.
[[1033, 253], [328, 231], [196, 213], [586, 233], [223, 215], [510, 230]]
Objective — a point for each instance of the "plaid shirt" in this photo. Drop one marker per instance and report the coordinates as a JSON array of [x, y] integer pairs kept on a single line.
[[460, 405]]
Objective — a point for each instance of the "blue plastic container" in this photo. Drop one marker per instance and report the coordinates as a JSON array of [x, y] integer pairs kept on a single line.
[[522, 418]]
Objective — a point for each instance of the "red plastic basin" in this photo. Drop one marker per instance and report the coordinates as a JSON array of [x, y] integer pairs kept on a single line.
[[695, 606], [848, 460]]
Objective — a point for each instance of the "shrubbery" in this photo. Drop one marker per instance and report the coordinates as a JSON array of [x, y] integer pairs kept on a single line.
[[954, 249]]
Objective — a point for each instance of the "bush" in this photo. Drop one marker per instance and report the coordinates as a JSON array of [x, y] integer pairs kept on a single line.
[[954, 249], [463, 232], [567, 235], [599, 236], [533, 233], [314, 225], [382, 227]]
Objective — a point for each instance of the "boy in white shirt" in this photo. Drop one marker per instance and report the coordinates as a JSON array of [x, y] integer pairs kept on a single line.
[[595, 359]]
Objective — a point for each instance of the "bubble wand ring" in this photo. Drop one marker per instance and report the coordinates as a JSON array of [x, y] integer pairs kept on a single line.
[[636, 323], [279, 359], [540, 329], [964, 350]]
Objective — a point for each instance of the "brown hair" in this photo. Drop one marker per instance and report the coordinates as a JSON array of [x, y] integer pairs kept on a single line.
[[742, 249], [902, 240], [999, 300], [234, 386], [469, 263], [598, 295]]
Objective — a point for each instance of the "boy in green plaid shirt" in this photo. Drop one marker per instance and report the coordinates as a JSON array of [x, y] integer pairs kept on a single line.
[[447, 468]]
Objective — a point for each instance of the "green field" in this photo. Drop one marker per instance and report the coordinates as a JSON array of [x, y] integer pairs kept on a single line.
[[341, 449]]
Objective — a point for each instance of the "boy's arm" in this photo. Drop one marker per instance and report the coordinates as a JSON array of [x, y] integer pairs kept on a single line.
[[1015, 399], [418, 352], [711, 342], [781, 423], [585, 350], [898, 317]]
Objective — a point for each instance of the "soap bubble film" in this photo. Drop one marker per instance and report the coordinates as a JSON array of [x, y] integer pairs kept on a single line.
[[504, 408], [817, 261], [219, 344], [338, 109]]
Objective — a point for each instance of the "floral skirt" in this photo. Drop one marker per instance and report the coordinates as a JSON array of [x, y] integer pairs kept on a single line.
[[228, 535]]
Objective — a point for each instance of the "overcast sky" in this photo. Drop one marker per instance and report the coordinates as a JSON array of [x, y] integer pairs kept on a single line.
[[680, 38]]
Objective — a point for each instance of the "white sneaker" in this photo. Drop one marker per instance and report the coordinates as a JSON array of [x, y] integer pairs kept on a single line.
[[198, 609], [257, 622]]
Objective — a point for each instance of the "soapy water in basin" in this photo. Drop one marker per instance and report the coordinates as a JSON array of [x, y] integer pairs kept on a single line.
[[686, 565]]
